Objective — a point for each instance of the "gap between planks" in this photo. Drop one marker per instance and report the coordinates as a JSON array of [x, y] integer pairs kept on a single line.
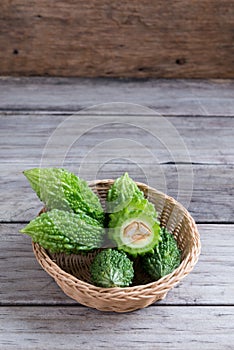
[[5, 112]]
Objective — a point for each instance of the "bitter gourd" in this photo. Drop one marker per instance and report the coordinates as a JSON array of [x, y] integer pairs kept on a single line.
[[165, 259], [61, 189], [111, 268], [121, 193], [62, 231], [134, 228]]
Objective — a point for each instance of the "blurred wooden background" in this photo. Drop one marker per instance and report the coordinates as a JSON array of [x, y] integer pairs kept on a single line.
[[134, 38]]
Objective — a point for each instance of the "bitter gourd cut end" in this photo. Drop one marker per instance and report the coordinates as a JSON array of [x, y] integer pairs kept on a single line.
[[136, 235], [135, 229]]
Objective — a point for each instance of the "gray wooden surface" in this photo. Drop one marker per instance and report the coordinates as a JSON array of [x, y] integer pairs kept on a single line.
[[35, 314], [170, 97], [176, 327]]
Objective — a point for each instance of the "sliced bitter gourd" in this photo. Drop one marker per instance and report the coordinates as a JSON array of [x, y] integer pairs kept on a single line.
[[61, 231], [135, 229], [61, 189], [123, 190]]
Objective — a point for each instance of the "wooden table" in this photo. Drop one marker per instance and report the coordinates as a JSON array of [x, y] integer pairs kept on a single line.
[[199, 312]]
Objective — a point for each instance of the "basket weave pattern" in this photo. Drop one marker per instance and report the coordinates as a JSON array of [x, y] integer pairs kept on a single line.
[[71, 272]]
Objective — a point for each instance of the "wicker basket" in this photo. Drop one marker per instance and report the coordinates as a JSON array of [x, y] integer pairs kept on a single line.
[[71, 272]]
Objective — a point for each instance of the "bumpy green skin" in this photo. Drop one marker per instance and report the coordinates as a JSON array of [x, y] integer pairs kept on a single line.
[[61, 231], [165, 259], [61, 189], [137, 210], [111, 268], [121, 193]]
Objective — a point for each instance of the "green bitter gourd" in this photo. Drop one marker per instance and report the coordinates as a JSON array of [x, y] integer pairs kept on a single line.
[[165, 259], [134, 228], [111, 268], [121, 193], [61, 231], [61, 189]]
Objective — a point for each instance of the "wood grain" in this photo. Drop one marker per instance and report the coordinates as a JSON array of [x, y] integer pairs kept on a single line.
[[133, 39], [212, 189], [210, 283], [98, 154], [69, 328], [167, 97], [199, 312], [24, 139]]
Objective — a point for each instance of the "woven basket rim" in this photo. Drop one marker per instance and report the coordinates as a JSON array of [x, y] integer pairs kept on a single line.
[[174, 277], [101, 289]]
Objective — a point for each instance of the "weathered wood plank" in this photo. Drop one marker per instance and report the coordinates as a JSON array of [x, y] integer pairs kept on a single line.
[[101, 147], [210, 283], [133, 39], [97, 154], [168, 97], [164, 328], [149, 139], [208, 195]]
